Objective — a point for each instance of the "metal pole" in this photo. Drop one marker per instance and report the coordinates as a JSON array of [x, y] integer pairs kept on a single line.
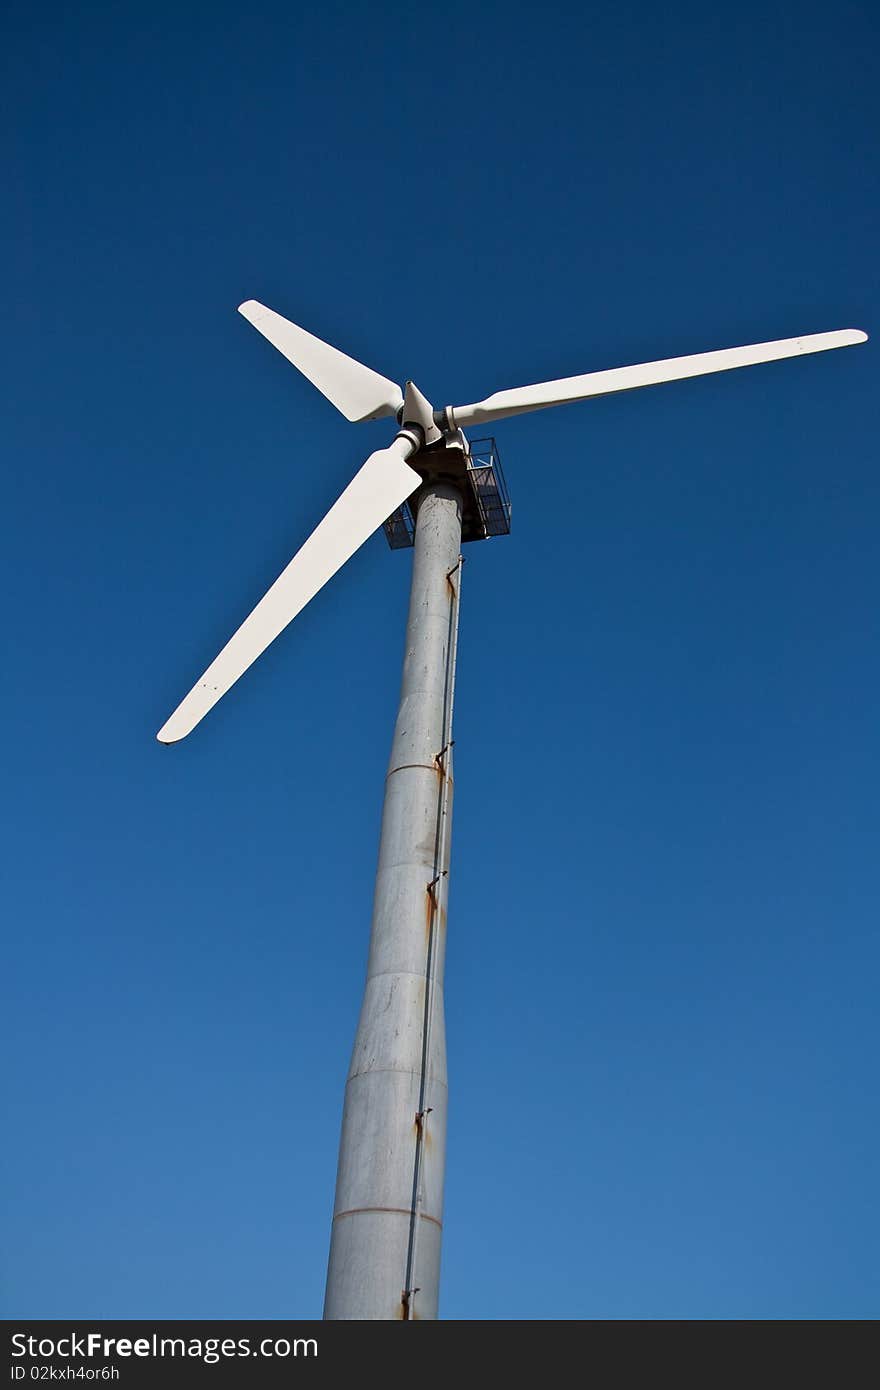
[[385, 1245]]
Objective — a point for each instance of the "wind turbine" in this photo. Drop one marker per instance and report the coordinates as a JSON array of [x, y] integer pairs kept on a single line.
[[432, 488]]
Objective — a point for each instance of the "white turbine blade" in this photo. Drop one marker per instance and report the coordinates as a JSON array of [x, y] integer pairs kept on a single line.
[[384, 482], [580, 388], [357, 391]]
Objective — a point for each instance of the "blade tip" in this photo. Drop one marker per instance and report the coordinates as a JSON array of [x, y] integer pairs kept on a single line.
[[168, 734]]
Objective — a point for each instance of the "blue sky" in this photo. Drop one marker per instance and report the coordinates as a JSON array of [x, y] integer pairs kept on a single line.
[[661, 982]]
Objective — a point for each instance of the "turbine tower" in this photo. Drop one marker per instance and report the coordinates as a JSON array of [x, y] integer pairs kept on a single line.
[[431, 488]]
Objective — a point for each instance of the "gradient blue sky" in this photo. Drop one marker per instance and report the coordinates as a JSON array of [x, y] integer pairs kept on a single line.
[[662, 973]]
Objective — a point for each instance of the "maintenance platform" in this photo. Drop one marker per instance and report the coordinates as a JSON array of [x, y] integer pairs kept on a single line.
[[475, 467]]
